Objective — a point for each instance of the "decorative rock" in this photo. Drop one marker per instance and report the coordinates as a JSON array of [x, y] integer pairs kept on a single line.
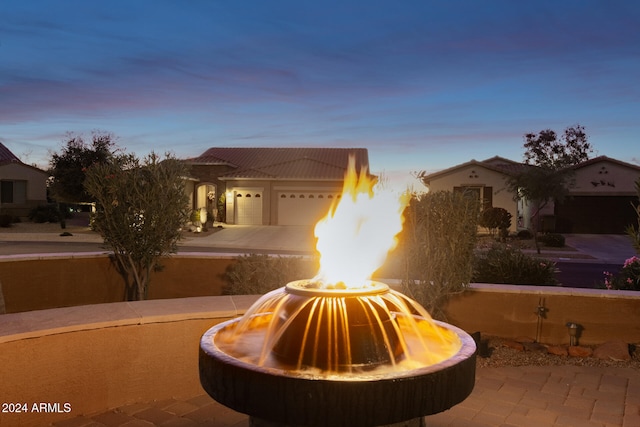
[[613, 350], [534, 347], [578, 351], [514, 345], [557, 350], [525, 340]]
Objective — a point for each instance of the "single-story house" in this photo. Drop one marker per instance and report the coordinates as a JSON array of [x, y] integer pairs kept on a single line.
[[270, 186], [22, 187], [600, 201]]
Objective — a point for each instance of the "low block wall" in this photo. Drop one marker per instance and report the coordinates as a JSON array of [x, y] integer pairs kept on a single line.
[[67, 280], [89, 359], [512, 311]]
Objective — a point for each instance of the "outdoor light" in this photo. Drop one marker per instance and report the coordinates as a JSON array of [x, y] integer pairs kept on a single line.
[[573, 333]]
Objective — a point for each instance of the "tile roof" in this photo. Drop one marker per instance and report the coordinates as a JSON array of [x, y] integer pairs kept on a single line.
[[497, 164], [604, 159], [283, 163], [6, 156]]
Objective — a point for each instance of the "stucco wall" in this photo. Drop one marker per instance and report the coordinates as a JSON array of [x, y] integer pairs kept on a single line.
[[94, 358], [40, 283], [511, 311], [36, 189], [605, 178], [36, 185]]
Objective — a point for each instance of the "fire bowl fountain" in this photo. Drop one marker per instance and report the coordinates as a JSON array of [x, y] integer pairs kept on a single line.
[[303, 355]]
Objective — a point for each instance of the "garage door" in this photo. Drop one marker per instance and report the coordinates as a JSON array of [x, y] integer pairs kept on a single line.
[[303, 208], [248, 208], [595, 214]]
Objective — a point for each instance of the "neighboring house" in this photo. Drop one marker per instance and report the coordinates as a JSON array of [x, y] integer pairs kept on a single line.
[[270, 186], [598, 202], [485, 180], [602, 199], [22, 187]]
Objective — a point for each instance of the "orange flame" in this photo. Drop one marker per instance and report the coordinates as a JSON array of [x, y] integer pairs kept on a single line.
[[358, 232]]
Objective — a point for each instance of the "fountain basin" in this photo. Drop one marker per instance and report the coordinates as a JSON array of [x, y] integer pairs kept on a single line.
[[304, 398]]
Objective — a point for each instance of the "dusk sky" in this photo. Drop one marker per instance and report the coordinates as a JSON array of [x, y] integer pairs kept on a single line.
[[424, 85]]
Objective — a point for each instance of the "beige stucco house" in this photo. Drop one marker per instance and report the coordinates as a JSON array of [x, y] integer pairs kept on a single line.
[[600, 200], [22, 187], [270, 186]]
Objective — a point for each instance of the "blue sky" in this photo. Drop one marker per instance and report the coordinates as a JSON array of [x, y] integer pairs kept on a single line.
[[424, 85]]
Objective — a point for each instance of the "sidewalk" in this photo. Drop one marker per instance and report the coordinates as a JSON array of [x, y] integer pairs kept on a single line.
[[510, 397]]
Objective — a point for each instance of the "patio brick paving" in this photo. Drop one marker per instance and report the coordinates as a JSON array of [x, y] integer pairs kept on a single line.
[[536, 396]]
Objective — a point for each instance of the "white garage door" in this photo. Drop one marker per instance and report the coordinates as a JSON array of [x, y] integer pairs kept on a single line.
[[248, 208], [303, 208]]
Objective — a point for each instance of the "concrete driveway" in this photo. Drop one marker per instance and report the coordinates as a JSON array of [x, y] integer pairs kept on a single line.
[[607, 248], [277, 238]]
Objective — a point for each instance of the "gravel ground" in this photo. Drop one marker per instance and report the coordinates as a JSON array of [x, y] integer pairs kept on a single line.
[[502, 355]]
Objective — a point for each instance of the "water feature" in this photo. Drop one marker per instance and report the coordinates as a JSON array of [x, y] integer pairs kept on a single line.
[[303, 355]]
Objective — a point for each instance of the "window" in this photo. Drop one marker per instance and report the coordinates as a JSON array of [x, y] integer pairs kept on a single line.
[[482, 194], [13, 192]]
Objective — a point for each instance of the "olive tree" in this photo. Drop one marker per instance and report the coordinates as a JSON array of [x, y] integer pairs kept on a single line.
[[438, 242], [140, 208], [549, 174]]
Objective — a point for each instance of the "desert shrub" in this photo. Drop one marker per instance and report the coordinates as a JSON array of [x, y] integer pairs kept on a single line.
[[6, 220], [524, 234], [45, 213], [503, 263], [496, 220], [552, 239], [437, 243], [627, 279], [258, 274]]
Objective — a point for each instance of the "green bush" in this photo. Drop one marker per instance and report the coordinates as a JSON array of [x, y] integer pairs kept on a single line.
[[505, 264], [524, 234], [496, 219], [45, 213], [258, 274], [553, 240]]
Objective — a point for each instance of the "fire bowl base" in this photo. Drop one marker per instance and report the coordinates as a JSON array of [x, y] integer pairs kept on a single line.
[[279, 397]]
